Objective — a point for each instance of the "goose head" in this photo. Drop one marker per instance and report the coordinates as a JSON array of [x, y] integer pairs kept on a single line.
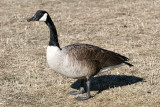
[[40, 15]]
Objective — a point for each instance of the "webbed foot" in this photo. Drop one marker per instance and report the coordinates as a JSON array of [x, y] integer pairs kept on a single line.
[[81, 91], [88, 92], [82, 98]]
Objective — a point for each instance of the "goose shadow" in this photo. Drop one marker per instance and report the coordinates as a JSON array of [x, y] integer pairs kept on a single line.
[[105, 82]]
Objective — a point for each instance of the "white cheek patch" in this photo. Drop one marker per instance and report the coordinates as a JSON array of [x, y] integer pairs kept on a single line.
[[43, 18]]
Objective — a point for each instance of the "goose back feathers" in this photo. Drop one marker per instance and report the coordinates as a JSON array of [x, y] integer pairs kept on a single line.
[[83, 60]]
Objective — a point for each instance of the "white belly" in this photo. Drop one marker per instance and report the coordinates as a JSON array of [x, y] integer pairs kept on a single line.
[[64, 64], [53, 53]]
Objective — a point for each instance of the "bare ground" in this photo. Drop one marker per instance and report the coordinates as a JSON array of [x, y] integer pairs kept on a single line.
[[129, 27]]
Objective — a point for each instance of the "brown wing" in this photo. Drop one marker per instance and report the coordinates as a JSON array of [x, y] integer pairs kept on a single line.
[[89, 52]]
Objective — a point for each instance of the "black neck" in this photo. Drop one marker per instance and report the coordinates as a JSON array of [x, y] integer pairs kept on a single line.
[[53, 32]]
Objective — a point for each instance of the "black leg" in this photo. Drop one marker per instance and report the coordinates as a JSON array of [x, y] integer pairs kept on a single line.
[[81, 90], [88, 92]]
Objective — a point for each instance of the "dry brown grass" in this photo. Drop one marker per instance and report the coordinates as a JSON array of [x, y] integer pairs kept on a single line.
[[130, 27]]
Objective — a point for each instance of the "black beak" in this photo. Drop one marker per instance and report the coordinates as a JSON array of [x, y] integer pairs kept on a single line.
[[32, 19]]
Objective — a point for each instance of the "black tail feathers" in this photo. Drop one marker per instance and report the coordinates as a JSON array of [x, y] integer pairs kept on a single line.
[[128, 64]]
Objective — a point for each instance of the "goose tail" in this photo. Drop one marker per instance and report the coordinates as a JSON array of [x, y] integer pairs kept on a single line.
[[130, 65]]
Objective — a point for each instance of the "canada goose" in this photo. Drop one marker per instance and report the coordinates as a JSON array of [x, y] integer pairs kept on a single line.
[[78, 61]]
